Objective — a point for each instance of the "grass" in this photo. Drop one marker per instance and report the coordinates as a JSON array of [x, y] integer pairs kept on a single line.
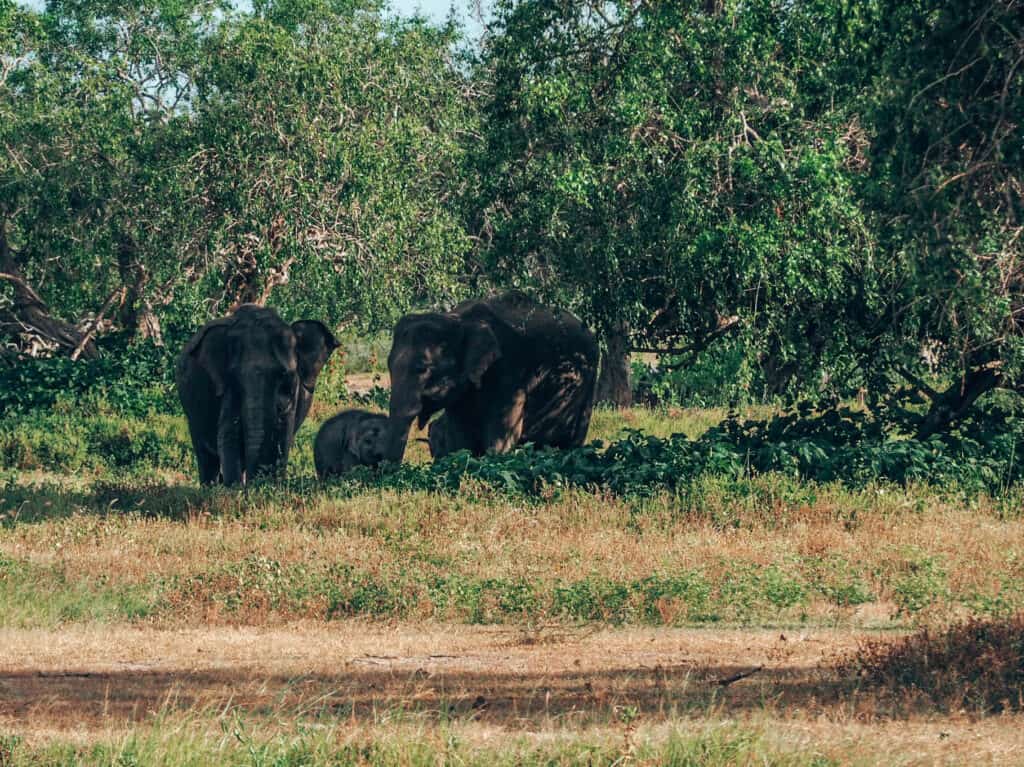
[[976, 664], [760, 551], [241, 742], [124, 544]]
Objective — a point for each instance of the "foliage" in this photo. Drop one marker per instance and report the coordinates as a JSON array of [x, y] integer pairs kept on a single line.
[[726, 374], [134, 378], [944, 112], [836, 445], [174, 158], [677, 169], [982, 455]]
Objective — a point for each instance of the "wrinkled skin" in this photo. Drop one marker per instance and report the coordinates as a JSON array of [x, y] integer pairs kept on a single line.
[[504, 370], [351, 438], [246, 383]]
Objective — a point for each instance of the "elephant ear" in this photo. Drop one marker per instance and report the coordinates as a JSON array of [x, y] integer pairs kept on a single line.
[[209, 349], [481, 350], [314, 344]]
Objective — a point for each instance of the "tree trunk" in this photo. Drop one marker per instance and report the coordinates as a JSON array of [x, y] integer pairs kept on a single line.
[[953, 404], [136, 314], [31, 313], [613, 384]]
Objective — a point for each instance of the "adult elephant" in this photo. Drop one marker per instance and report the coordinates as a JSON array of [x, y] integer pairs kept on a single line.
[[505, 370], [246, 383]]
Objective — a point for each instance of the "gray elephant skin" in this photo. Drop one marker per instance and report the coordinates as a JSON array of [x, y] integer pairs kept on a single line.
[[246, 383], [443, 439], [351, 438], [505, 370]]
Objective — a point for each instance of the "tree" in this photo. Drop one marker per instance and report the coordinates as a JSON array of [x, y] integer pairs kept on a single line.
[[945, 111], [166, 160], [94, 127], [331, 148], [678, 172]]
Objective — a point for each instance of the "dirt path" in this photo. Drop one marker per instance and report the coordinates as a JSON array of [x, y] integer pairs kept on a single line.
[[92, 674], [82, 680]]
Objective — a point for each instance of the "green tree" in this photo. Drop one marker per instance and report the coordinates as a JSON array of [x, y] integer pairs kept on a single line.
[[945, 110], [169, 159], [92, 117], [678, 171], [330, 151]]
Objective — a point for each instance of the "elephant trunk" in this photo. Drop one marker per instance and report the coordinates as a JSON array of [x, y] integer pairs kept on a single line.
[[229, 440], [261, 443], [398, 436]]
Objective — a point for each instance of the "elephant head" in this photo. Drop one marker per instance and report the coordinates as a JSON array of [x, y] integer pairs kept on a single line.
[[370, 442], [434, 358], [262, 373]]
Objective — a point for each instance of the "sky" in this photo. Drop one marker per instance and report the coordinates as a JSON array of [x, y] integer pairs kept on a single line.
[[436, 10]]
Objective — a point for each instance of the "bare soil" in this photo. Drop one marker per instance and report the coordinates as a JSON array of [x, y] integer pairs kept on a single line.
[[86, 682]]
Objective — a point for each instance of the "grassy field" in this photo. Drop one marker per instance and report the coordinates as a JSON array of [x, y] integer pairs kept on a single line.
[[147, 621]]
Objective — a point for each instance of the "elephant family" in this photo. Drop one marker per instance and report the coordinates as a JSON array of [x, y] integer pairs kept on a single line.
[[246, 383], [505, 370], [351, 438]]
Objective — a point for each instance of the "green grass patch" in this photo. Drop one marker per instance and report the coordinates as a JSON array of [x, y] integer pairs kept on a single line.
[[240, 742], [34, 596]]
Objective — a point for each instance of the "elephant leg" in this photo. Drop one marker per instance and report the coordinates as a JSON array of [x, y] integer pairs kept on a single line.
[[503, 426], [209, 465], [206, 457], [448, 435]]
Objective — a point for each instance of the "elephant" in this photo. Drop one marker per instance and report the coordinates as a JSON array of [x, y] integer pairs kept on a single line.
[[351, 438], [246, 383], [505, 370], [443, 439]]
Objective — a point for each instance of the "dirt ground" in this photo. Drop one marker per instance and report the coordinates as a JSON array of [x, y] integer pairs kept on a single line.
[[80, 682]]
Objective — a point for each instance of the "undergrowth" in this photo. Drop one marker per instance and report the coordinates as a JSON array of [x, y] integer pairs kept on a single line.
[[983, 455], [316, 742]]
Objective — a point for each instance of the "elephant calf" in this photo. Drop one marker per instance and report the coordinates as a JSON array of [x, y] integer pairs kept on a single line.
[[351, 438]]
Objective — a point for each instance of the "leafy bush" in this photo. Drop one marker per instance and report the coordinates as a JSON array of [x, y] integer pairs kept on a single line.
[[62, 440], [133, 378], [838, 445], [723, 375]]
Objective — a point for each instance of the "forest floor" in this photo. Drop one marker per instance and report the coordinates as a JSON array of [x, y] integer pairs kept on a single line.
[[144, 620]]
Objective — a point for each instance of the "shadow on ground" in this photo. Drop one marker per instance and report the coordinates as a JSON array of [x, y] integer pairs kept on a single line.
[[366, 694]]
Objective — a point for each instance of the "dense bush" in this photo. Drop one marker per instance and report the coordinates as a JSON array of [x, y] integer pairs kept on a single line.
[[839, 445], [135, 378], [842, 445]]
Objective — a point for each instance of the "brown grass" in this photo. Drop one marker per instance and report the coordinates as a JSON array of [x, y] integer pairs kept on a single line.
[[976, 665], [575, 536], [483, 683]]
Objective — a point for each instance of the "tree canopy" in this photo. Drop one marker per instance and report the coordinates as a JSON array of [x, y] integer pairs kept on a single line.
[[830, 187], [182, 157]]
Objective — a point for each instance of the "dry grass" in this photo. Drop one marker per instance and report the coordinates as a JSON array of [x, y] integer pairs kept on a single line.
[[495, 690], [152, 617], [928, 557], [976, 665]]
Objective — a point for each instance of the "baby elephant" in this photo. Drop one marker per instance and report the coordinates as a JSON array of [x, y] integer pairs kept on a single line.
[[351, 438]]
